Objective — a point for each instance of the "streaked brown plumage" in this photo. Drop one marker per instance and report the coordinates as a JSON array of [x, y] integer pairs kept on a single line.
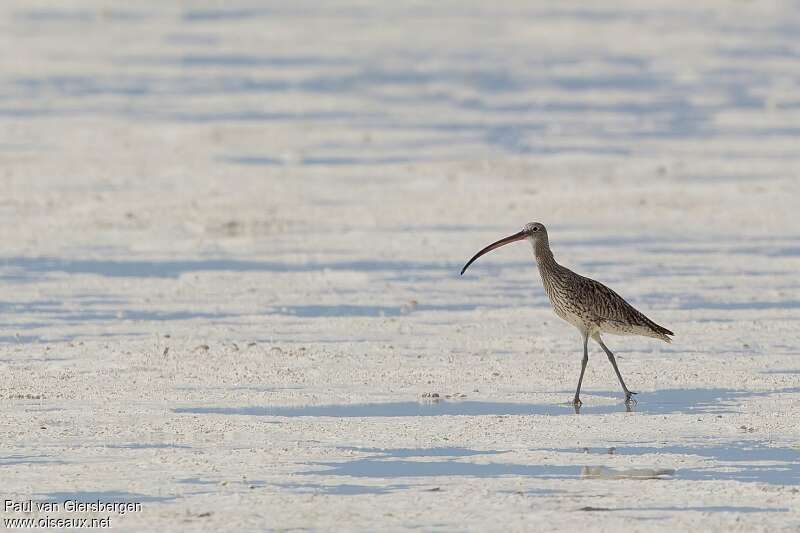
[[585, 303]]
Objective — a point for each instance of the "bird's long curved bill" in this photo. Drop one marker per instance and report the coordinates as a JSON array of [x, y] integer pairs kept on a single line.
[[502, 242]]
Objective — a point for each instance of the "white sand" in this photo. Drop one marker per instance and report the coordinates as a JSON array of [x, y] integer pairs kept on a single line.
[[214, 216]]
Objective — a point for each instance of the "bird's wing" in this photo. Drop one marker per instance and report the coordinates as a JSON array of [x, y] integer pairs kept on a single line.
[[605, 305]]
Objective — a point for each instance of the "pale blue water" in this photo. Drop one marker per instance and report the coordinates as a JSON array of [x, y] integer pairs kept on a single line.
[[667, 401]]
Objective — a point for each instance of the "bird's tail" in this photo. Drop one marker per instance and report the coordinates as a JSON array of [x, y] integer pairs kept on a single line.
[[660, 332]]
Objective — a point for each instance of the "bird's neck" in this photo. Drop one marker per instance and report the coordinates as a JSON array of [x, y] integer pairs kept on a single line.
[[544, 257]]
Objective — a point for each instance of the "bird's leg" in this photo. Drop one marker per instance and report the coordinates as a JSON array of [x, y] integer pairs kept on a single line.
[[628, 394], [577, 400]]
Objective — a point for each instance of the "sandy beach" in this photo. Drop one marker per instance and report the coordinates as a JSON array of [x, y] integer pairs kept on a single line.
[[231, 236]]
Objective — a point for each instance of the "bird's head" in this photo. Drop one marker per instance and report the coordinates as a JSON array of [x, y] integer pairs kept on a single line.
[[535, 232]]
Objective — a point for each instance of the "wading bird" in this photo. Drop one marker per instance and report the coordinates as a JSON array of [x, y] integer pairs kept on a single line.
[[585, 303]]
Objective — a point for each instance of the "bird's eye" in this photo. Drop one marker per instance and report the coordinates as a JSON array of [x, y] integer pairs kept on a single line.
[[536, 228]]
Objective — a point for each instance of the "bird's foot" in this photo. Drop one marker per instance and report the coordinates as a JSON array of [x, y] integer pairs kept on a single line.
[[629, 400], [576, 404]]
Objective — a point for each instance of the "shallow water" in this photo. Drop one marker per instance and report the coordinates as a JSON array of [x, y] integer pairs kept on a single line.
[[382, 468], [22, 268], [746, 461], [604, 472], [738, 461], [668, 401], [17, 459]]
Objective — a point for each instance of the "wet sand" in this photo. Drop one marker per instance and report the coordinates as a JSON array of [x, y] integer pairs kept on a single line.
[[231, 242]]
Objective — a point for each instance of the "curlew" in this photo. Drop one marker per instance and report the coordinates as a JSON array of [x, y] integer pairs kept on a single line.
[[585, 303]]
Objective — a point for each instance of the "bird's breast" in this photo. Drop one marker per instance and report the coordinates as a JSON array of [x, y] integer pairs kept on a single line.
[[562, 299]]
